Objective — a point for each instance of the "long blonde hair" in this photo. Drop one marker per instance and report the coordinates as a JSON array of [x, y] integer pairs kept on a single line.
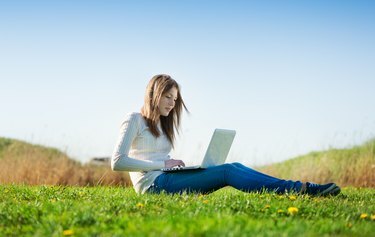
[[156, 88]]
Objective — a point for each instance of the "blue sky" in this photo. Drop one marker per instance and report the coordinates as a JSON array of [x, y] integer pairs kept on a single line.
[[289, 76]]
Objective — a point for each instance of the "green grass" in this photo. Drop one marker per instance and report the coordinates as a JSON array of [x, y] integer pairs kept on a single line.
[[117, 211], [16, 149], [352, 166]]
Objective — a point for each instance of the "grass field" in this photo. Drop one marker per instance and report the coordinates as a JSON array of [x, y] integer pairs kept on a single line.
[[118, 211], [25, 163], [353, 166]]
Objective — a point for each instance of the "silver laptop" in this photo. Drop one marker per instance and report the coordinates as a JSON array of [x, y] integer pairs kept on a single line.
[[216, 153]]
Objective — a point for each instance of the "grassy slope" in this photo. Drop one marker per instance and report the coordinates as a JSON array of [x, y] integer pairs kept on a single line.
[[114, 211], [25, 163], [18, 149], [349, 167]]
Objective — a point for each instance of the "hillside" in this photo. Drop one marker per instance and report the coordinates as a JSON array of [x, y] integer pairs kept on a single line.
[[348, 167], [26, 163]]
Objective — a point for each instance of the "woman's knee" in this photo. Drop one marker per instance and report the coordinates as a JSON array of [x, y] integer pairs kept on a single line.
[[237, 164], [224, 169], [228, 166]]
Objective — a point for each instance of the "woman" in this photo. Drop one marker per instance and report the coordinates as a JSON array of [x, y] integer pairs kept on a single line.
[[146, 138]]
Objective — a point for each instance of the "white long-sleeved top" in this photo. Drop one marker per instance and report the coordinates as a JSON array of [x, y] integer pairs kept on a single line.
[[139, 152]]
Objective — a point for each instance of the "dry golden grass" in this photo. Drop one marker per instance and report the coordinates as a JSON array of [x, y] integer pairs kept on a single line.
[[23, 163], [348, 167]]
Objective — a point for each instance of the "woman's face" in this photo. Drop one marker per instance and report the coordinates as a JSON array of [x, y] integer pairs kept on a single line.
[[168, 101]]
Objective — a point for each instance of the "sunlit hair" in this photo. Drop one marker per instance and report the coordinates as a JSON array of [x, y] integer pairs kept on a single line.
[[156, 88]]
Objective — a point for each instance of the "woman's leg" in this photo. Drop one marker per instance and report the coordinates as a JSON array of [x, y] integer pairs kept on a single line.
[[214, 178]]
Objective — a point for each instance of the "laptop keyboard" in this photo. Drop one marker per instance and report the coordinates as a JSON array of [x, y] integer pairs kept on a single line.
[[173, 168]]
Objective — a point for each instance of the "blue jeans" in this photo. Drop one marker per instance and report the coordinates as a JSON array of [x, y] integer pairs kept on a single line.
[[211, 179]]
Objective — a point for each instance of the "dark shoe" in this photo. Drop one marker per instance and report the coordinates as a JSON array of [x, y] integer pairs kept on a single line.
[[321, 189], [335, 191]]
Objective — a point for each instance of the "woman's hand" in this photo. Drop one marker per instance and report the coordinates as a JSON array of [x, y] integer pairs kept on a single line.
[[172, 163]]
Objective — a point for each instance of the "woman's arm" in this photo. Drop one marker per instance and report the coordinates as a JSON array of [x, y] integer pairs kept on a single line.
[[120, 160]]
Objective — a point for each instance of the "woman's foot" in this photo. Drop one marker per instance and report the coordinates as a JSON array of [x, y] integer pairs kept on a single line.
[[320, 189]]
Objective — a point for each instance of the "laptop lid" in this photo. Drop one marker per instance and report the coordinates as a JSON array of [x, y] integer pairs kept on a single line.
[[218, 148]]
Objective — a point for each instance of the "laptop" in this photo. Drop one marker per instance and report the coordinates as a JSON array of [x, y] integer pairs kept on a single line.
[[216, 153]]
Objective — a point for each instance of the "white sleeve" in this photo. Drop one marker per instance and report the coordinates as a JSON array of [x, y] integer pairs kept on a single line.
[[120, 160]]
